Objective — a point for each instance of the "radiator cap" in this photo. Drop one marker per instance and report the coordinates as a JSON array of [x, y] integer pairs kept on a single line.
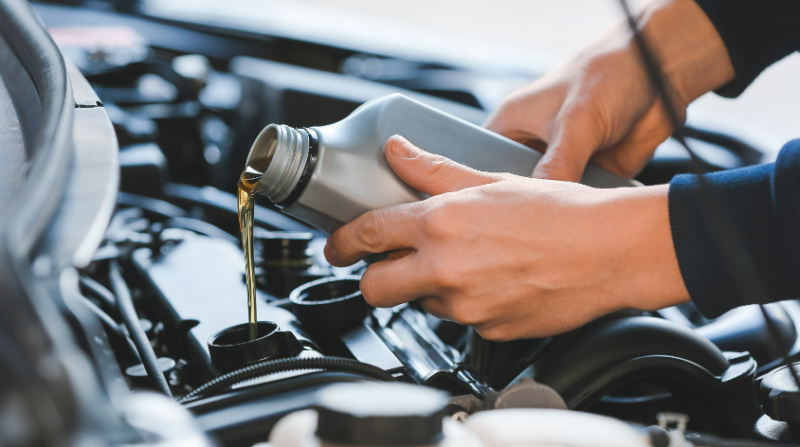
[[378, 414]]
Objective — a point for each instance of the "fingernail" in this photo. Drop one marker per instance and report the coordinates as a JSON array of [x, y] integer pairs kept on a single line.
[[403, 148]]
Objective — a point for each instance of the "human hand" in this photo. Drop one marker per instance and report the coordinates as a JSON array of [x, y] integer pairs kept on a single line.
[[512, 256], [599, 107]]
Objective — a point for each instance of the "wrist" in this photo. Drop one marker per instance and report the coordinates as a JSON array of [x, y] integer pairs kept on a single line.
[[689, 48], [650, 277]]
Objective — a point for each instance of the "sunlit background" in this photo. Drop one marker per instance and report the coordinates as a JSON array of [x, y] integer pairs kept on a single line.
[[559, 28]]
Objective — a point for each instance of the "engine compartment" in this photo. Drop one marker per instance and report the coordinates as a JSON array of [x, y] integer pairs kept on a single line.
[[185, 121]]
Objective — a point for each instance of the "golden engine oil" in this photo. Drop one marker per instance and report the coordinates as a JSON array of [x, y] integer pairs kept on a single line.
[[246, 197]]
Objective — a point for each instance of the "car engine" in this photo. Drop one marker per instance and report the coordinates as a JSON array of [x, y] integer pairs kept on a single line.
[[186, 99]]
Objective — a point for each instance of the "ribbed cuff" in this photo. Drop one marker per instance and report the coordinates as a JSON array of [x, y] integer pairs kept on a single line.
[[744, 198], [786, 201]]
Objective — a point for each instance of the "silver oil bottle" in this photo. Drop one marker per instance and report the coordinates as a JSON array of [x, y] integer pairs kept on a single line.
[[328, 176]]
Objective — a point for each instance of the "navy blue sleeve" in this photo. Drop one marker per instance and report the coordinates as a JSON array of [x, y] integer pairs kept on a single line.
[[761, 207], [757, 33]]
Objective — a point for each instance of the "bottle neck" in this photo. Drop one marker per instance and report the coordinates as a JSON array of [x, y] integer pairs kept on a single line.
[[287, 157]]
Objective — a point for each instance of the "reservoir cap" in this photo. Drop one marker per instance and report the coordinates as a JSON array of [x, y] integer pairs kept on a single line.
[[380, 414]]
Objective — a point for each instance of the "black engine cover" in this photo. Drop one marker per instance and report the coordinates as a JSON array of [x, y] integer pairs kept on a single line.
[[197, 289]]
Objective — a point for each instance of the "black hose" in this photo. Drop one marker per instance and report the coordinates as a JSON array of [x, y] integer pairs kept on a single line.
[[108, 300], [113, 328], [338, 364], [131, 319], [747, 155]]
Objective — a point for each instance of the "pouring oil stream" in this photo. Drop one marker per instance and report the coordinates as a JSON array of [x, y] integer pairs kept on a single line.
[[247, 184]]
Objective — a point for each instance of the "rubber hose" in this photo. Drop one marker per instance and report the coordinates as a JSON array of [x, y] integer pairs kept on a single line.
[[113, 327], [131, 319], [275, 366], [100, 292]]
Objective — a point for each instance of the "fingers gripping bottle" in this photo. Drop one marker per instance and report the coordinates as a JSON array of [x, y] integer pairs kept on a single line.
[[328, 176]]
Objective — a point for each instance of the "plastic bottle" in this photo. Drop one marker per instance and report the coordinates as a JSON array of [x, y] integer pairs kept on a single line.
[[329, 175]]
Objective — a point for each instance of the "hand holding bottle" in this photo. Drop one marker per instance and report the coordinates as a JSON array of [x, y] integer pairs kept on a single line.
[[517, 257], [512, 256], [600, 106]]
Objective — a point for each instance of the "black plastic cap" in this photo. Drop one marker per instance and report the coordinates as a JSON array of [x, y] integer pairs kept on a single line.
[[329, 305], [232, 348], [284, 249], [378, 414], [780, 397]]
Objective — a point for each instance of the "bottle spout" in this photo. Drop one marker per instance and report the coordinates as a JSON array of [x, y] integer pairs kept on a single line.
[[280, 153]]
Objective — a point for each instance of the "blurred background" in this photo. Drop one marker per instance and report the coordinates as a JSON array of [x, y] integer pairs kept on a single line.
[[557, 29]]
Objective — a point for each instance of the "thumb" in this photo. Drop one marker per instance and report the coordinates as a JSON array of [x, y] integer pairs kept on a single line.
[[430, 173], [567, 156]]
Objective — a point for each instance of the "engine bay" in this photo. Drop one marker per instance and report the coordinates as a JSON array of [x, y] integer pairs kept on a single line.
[[187, 100]]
